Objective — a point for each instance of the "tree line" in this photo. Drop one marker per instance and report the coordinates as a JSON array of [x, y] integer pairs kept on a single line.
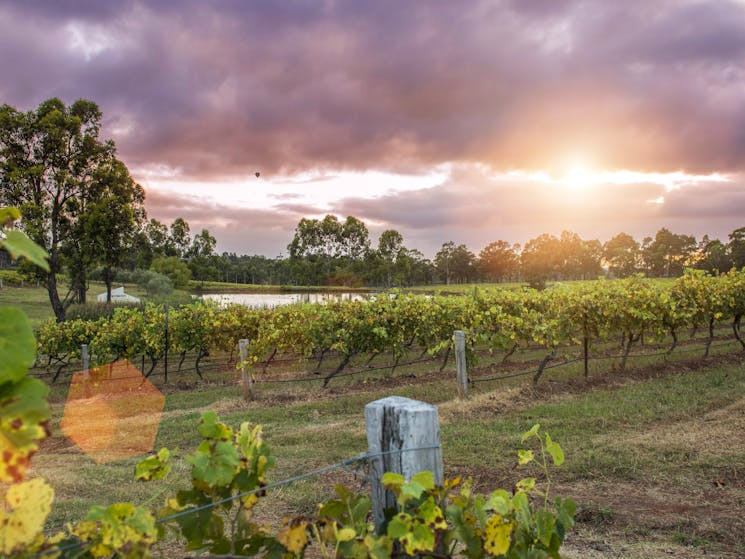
[[330, 251], [79, 202]]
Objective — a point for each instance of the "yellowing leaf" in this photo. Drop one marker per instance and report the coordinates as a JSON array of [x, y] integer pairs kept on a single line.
[[248, 501], [27, 506], [121, 528], [346, 534], [526, 485], [154, 467], [23, 413], [293, 536], [497, 535], [525, 457]]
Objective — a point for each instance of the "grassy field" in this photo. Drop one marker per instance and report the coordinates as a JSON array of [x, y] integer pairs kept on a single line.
[[34, 301], [655, 454]]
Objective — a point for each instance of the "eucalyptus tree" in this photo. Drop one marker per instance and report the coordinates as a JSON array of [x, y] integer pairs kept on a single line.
[[390, 246], [668, 253], [111, 224], [736, 247], [54, 167], [499, 260], [621, 254], [178, 241], [713, 256], [319, 248]]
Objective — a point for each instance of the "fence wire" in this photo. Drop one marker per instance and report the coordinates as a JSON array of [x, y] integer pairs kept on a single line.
[[363, 457], [596, 358]]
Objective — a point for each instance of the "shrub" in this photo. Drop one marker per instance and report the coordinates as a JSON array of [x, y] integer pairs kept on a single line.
[[11, 277], [174, 269]]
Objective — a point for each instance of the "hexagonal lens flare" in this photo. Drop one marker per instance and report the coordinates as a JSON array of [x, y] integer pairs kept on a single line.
[[113, 412]]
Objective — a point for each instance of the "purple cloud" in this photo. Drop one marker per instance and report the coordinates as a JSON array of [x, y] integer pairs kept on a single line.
[[223, 89]]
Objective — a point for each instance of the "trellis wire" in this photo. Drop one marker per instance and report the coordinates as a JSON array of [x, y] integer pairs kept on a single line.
[[314, 473], [598, 358]]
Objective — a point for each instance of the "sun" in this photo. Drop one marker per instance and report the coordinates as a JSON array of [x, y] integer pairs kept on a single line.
[[578, 176]]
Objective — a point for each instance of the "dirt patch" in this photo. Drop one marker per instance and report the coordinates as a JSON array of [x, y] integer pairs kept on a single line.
[[695, 516], [710, 434]]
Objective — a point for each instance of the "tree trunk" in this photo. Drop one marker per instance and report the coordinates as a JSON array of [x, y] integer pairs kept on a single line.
[[57, 306], [108, 277]]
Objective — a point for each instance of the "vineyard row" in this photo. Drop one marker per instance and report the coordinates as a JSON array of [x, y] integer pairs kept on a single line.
[[501, 320]]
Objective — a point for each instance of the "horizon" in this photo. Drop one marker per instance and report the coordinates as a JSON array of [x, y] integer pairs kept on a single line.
[[469, 123]]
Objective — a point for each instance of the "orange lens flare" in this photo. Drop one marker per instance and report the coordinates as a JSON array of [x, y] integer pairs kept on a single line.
[[113, 412]]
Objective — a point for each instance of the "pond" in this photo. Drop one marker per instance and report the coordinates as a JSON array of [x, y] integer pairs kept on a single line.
[[271, 300]]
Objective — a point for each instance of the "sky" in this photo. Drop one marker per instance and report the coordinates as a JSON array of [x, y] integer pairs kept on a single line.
[[466, 121]]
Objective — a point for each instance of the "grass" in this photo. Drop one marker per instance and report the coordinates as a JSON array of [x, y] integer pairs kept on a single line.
[[644, 448], [34, 301]]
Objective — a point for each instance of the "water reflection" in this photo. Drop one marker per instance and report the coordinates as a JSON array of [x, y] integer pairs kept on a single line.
[[271, 300]]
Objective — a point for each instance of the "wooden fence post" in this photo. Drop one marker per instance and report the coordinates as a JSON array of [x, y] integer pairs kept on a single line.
[[460, 363], [396, 427], [245, 373]]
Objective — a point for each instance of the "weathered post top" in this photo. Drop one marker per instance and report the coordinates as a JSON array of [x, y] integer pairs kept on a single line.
[[406, 433]]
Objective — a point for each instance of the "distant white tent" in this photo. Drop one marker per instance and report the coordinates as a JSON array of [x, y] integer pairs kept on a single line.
[[118, 296]]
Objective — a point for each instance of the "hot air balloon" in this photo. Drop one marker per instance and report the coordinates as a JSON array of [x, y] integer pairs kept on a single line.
[[257, 174]]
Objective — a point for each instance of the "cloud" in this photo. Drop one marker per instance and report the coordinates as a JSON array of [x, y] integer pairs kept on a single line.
[[476, 208], [222, 89], [239, 230]]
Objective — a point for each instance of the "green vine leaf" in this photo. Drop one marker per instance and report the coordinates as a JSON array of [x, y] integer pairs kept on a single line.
[[211, 428], [17, 344], [214, 464], [555, 451], [18, 244], [155, 466], [531, 433]]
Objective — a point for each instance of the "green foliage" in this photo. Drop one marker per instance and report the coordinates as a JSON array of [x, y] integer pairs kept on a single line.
[[154, 467], [17, 345], [79, 203], [11, 277], [450, 520], [120, 530], [563, 316], [227, 468], [23, 408], [174, 269]]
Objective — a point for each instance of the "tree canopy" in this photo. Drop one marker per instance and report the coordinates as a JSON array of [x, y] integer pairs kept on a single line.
[[73, 193]]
